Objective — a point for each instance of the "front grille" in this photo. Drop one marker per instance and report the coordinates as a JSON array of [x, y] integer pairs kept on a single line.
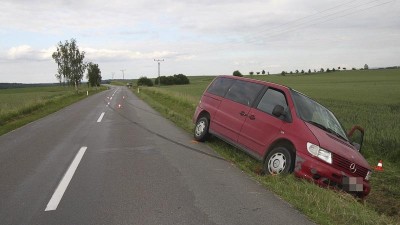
[[343, 164]]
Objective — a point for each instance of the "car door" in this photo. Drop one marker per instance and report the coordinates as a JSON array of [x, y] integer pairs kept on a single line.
[[234, 109], [261, 127]]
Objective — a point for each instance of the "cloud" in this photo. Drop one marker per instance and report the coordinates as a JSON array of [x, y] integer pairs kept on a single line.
[[121, 55], [209, 36], [26, 52], [19, 52]]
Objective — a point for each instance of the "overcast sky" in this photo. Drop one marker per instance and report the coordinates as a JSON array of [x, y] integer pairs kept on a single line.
[[197, 37]]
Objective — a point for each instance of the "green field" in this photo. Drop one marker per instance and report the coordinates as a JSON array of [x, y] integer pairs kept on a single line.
[[370, 98], [19, 106]]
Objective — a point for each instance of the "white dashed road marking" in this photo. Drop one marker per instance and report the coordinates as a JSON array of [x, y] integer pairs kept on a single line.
[[100, 118], [62, 186]]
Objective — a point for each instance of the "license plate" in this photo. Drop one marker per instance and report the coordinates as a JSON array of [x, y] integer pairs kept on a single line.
[[353, 184]]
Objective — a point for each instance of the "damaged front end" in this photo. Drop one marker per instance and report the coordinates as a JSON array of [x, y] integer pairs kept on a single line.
[[341, 174]]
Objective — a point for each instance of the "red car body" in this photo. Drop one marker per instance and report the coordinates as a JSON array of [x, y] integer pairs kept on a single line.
[[314, 153]]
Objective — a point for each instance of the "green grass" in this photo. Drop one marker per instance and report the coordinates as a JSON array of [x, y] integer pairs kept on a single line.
[[19, 106], [367, 98], [122, 83]]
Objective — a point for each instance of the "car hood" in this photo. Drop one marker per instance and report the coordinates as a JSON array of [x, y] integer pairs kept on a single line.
[[338, 146]]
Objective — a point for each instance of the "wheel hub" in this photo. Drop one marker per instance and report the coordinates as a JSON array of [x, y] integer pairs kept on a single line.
[[277, 163], [200, 128]]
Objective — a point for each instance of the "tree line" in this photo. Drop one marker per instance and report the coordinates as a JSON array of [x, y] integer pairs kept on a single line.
[[176, 79], [322, 70], [172, 80], [71, 67]]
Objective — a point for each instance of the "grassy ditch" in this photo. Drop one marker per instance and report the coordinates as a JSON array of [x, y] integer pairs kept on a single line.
[[323, 206], [20, 106]]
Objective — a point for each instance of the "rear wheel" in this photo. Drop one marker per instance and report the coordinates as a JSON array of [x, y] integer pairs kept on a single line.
[[201, 129], [279, 160]]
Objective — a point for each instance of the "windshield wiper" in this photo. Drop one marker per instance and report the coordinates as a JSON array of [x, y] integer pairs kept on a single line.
[[327, 129], [336, 134], [317, 125]]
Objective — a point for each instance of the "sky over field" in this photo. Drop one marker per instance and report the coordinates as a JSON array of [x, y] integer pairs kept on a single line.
[[197, 37]]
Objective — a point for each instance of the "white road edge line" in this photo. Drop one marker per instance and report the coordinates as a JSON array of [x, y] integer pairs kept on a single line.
[[62, 186], [100, 118]]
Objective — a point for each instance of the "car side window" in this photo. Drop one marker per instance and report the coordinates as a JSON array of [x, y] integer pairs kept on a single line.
[[270, 99], [220, 86], [243, 92]]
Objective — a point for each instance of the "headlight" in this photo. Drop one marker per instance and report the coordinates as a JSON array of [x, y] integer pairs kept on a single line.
[[319, 152], [368, 176]]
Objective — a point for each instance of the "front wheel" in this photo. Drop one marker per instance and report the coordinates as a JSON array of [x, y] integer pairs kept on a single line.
[[201, 129], [279, 160]]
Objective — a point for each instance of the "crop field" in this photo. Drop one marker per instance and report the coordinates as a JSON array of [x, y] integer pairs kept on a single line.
[[19, 106], [369, 98]]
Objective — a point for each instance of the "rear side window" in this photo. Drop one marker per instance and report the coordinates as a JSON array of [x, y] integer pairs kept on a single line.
[[244, 92], [270, 99], [220, 86]]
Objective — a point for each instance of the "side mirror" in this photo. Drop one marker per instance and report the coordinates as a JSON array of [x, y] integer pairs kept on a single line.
[[278, 111], [356, 135]]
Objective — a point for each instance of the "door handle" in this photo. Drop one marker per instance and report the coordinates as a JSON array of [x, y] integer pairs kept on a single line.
[[252, 117], [242, 113]]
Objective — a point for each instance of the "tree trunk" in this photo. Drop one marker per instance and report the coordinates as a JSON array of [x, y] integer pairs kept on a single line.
[[76, 86]]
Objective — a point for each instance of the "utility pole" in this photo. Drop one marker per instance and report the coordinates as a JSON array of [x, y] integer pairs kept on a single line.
[[113, 75], [159, 61], [123, 75]]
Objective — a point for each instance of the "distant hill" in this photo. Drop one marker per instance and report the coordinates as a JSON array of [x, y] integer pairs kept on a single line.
[[20, 85]]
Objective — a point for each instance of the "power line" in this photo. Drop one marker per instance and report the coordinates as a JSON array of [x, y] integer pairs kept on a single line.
[[327, 18], [309, 16], [293, 25]]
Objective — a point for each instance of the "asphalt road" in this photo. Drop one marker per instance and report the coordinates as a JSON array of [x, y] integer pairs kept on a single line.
[[126, 166]]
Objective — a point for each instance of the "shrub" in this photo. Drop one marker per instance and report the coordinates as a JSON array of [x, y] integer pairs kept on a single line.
[[171, 80], [237, 73], [144, 81], [181, 79]]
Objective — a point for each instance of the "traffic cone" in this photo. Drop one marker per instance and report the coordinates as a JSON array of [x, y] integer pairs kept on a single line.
[[379, 167]]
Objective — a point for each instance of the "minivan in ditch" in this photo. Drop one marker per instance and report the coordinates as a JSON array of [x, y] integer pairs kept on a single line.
[[286, 130]]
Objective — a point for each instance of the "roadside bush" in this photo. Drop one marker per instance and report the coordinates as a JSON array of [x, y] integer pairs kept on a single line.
[[144, 81], [171, 80], [237, 73], [181, 79]]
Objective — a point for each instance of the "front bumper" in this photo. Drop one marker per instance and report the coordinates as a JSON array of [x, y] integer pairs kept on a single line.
[[323, 174]]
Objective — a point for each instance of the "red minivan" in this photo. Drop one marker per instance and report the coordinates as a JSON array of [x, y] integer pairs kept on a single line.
[[286, 130]]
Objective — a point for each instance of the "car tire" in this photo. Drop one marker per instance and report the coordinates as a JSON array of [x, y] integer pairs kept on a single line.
[[201, 129], [278, 161]]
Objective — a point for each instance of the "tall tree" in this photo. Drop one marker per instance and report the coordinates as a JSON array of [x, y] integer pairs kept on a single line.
[[70, 62], [59, 78], [78, 67], [93, 74], [62, 60]]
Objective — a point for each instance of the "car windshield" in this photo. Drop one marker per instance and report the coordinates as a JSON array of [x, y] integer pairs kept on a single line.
[[312, 112]]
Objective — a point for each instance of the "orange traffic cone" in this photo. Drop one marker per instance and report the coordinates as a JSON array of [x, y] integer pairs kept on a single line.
[[379, 167]]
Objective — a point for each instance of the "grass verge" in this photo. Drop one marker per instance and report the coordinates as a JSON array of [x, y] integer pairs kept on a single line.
[[37, 109], [321, 205]]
